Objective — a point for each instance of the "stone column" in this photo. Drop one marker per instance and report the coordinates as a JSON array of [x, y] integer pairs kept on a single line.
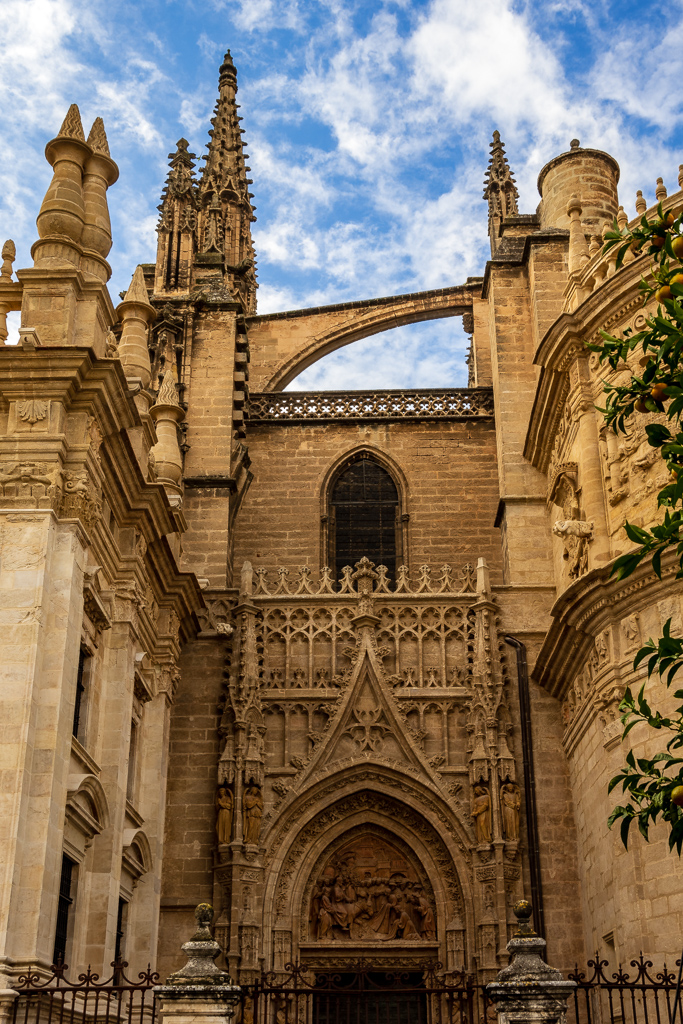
[[528, 991], [199, 993]]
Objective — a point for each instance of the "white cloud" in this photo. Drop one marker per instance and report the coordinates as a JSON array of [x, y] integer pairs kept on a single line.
[[265, 15]]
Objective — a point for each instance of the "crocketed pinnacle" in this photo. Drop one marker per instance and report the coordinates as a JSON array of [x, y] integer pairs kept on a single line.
[[97, 139], [224, 196], [500, 190], [225, 166], [72, 127], [180, 181]]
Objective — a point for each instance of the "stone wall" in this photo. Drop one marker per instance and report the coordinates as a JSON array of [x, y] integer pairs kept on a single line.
[[447, 472]]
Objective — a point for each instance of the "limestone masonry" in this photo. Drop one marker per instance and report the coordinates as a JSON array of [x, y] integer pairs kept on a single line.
[[268, 650]]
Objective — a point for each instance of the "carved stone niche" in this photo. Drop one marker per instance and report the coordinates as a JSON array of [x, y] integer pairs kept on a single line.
[[369, 890]]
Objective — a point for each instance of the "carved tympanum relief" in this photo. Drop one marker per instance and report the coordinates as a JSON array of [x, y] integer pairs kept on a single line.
[[368, 890]]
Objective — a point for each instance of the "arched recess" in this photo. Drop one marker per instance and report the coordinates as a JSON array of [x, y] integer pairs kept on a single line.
[[351, 323], [357, 798], [327, 483]]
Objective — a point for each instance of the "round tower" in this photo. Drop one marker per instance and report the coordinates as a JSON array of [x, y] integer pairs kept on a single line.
[[589, 174]]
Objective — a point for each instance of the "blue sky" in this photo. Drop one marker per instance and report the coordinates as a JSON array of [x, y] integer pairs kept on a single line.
[[367, 125]]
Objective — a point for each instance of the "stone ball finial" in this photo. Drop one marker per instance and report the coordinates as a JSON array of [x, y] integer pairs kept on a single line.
[[523, 911], [574, 144]]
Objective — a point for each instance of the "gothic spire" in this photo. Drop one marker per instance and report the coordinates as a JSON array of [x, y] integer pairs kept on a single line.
[[225, 200], [500, 190]]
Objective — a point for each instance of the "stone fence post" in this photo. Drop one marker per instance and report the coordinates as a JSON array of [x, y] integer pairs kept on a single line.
[[199, 993], [528, 991]]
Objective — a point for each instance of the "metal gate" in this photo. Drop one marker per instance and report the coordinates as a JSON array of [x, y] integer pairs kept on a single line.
[[363, 993]]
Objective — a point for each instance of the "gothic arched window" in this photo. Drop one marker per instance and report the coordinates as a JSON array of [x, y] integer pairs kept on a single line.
[[364, 517]]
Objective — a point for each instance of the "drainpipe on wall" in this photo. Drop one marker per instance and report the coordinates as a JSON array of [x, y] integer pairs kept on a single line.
[[529, 784]]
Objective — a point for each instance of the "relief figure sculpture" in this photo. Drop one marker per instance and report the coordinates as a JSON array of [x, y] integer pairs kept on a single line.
[[427, 926], [371, 908]]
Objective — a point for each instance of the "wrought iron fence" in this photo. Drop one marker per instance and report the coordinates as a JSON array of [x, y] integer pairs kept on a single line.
[[355, 993], [640, 996], [56, 1000]]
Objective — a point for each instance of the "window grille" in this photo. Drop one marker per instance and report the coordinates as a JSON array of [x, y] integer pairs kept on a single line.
[[63, 906]]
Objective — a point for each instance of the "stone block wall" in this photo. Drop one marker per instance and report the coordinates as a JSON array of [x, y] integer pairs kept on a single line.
[[451, 482]]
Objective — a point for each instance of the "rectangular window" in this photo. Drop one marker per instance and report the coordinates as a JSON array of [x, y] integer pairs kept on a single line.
[[132, 762], [121, 921], [63, 909], [79, 706]]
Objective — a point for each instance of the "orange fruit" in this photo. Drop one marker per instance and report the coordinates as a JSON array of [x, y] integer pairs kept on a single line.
[[668, 219], [677, 246], [639, 405], [677, 796], [657, 241], [663, 292], [676, 279], [657, 392]]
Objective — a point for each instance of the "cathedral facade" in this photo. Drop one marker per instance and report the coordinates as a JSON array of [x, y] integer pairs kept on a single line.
[[345, 665]]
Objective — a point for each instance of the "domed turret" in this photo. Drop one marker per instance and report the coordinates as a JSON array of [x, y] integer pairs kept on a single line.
[[588, 174]]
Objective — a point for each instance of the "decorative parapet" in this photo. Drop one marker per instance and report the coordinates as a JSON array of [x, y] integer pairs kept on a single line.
[[425, 581], [315, 406]]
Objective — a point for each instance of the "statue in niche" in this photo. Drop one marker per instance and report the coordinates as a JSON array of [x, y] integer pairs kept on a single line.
[[510, 803], [253, 812], [481, 813], [225, 804], [370, 892]]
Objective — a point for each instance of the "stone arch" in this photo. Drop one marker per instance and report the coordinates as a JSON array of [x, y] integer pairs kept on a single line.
[[136, 853], [355, 796], [87, 803], [326, 329], [329, 477]]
